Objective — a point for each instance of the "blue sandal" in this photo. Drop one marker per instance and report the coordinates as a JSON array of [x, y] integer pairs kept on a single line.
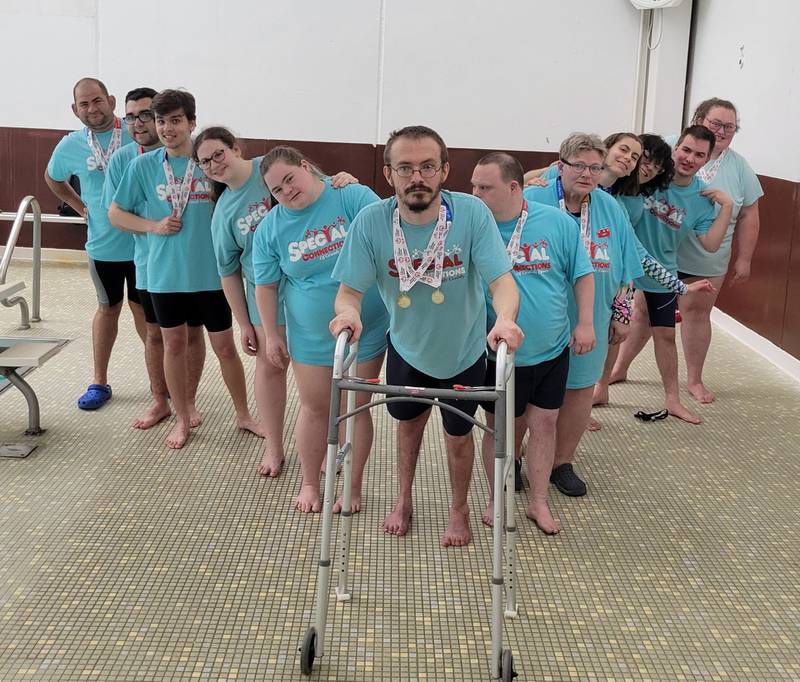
[[95, 397]]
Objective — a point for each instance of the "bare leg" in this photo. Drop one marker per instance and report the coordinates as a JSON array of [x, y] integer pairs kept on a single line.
[[270, 390], [637, 339], [314, 387], [695, 310], [600, 395], [175, 341], [460, 457], [572, 419], [104, 333], [138, 320], [230, 364], [154, 361], [667, 361], [195, 361], [487, 449], [364, 433], [409, 441], [541, 452]]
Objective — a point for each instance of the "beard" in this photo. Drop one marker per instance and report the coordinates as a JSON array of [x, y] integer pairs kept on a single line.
[[418, 197]]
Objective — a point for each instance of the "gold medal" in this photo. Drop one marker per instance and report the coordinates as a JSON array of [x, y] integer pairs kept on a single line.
[[437, 297], [404, 300]]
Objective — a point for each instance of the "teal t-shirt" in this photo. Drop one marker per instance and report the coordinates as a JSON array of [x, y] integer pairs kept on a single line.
[[303, 246], [180, 262], [116, 169], [734, 177], [551, 259], [667, 217], [237, 215], [438, 340], [550, 173], [73, 156], [615, 262]]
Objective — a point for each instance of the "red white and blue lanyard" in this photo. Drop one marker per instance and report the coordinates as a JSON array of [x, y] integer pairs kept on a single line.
[[102, 156], [512, 248], [434, 252], [586, 233], [178, 192]]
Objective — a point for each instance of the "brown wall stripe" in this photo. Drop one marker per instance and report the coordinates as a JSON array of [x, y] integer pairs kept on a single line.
[[767, 304]]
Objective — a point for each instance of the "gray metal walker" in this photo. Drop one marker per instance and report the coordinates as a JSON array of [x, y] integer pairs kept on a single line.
[[503, 568]]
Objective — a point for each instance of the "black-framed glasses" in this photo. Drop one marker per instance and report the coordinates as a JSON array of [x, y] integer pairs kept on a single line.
[[216, 156], [426, 170], [649, 163], [715, 125], [580, 166], [144, 116]]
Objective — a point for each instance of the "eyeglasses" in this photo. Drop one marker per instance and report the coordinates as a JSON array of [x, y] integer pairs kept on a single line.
[[579, 166], [144, 116], [715, 125], [649, 163], [216, 156], [426, 170]]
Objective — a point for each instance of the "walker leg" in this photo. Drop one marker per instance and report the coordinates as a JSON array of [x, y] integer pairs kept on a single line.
[[342, 592], [497, 536], [511, 523]]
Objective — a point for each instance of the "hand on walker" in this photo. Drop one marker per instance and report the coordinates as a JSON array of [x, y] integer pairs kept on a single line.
[[346, 320], [249, 339], [582, 340], [617, 333], [701, 286], [505, 330], [276, 352]]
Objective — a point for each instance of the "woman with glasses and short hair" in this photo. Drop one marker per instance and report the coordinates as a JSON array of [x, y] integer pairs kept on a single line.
[[241, 202], [298, 244], [730, 172]]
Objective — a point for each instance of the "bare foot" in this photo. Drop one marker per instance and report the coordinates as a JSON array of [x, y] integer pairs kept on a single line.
[[676, 409], [700, 393], [270, 464], [457, 533], [600, 395], [488, 515], [540, 514], [157, 413], [178, 436], [594, 425], [617, 378], [399, 521], [307, 499], [355, 503], [247, 423], [195, 418]]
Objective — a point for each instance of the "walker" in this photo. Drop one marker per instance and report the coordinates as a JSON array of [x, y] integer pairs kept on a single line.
[[503, 572]]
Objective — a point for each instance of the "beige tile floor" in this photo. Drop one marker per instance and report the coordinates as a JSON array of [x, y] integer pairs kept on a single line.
[[121, 560]]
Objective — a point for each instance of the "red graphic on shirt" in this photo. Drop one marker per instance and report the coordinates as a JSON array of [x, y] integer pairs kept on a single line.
[[319, 242], [532, 257], [604, 232]]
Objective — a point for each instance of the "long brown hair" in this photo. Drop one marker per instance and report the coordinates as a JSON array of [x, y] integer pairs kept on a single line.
[[221, 134]]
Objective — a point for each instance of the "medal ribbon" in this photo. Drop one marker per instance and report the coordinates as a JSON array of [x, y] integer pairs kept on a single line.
[[178, 192], [586, 233], [512, 248], [434, 252], [708, 172], [101, 156]]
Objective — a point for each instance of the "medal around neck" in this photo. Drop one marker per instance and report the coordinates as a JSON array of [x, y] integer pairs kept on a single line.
[[437, 297], [404, 300]]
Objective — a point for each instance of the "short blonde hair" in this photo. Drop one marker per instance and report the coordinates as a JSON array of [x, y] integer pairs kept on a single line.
[[581, 142]]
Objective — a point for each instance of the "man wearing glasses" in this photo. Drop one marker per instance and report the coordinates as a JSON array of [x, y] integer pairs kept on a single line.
[[429, 251], [140, 120], [86, 153]]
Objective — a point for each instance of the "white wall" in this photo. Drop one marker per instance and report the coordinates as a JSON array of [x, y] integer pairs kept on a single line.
[[507, 74], [764, 87]]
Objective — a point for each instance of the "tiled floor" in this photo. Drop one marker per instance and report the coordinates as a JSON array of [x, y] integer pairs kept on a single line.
[[121, 560]]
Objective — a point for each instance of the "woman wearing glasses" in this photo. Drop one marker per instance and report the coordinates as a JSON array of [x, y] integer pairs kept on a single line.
[[298, 243], [241, 202], [730, 172]]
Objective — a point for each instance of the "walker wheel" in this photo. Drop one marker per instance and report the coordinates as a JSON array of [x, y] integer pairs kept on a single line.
[[507, 666], [308, 651]]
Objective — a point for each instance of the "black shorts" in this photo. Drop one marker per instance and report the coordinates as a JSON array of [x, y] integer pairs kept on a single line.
[[400, 373], [147, 306], [207, 309], [661, 307], [109, 279], [542, 385]]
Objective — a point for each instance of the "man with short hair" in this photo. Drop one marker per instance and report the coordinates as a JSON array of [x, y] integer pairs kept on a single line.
[[85, 153], [549, 260], [429, 251], [140, 120], [165, 194], [667, 217]]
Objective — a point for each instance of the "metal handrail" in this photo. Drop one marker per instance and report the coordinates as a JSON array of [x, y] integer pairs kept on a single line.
[[28, 201]]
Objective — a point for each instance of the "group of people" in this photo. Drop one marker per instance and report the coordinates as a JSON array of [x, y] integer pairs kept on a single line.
[[566, 265]]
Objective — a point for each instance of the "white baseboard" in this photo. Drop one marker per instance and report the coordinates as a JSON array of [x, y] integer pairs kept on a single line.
[[777, 356], [24, 254]]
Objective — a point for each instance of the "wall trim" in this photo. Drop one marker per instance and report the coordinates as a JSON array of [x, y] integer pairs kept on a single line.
[[24, 254], [785, 362]]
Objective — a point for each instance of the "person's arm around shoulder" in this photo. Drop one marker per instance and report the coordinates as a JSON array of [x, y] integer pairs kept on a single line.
[[712, 239]]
